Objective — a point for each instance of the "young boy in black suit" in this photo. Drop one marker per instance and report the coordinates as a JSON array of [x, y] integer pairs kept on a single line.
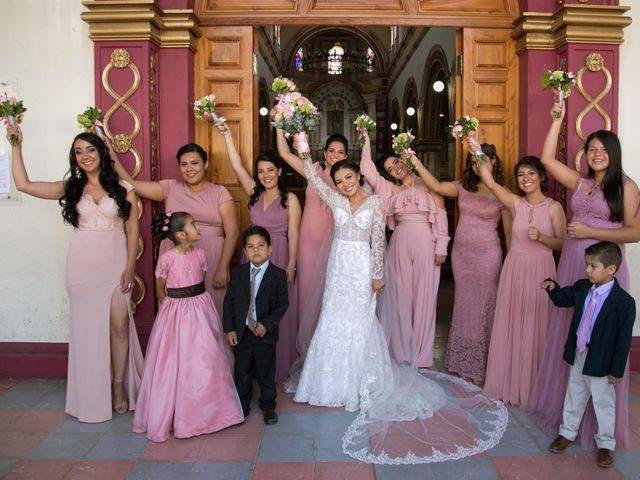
[[254, 304], [597, 347]]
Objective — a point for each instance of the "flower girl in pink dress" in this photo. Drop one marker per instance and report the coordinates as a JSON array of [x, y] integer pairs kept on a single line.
[[187, 380]]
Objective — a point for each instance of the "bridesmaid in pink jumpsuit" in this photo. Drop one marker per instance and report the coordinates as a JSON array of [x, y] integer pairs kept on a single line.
[[417, 248]]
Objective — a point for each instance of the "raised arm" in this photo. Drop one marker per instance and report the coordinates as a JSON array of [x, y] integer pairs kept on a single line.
[[505, 197], [324, 191], [294, 215], [380, 185], [446, 189], [246, 181], [46, 190], [284, 152], [558, 170], [230, 227], [150, 190]]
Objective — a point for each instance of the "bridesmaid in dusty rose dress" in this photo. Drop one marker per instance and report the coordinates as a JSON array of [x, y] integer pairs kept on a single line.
[[593, 220], [521, 318], [272, 207], [316, 234], [476, 276], [407, 306], [105, 359], [210, 204]]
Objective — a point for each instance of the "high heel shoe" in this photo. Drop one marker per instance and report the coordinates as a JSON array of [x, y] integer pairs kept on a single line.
[[122, 405]]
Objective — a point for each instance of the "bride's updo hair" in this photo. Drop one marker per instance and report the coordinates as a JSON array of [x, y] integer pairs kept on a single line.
[[354, 167]]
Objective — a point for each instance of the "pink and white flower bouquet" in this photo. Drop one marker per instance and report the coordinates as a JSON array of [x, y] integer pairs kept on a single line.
[[282, 85], [91, 121], [466, 128], [205, 110], [296, 115], [401, 145], [364, 123], [12, 111], [560, 82]]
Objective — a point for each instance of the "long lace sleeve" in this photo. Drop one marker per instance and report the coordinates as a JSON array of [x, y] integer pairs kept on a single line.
[[324, 191], [441, 232], [380, 186], [378, 242]]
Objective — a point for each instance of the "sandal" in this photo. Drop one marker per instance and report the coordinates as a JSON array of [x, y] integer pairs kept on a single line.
[[121, 406]]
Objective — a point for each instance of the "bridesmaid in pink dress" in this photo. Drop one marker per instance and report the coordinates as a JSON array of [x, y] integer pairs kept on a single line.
[[476, 276], [605, 207], [105, 359], [187, 384], [417, 248], [272, 207], [521, 318], [316, 234], [210, 204]]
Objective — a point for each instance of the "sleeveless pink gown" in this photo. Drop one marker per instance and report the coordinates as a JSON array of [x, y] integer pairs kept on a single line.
[[276, 220], [96, 259], [476, 278], [592, 210], [187, 382], [407, 305], [205, 208], [521, 319]]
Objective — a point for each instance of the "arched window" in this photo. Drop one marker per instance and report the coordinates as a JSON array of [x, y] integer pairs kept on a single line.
[[370, 60], [298, 64], [334, 59]]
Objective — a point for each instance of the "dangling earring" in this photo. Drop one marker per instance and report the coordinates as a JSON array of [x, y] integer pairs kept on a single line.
[[78, 173]]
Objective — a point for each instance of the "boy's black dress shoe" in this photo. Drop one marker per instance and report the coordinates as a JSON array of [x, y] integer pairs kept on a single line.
[[560, 444], [605, 458], [270, 416]]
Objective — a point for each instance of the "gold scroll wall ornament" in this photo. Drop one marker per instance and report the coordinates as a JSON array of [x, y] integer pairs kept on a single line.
[[122, 142], [593, 63]]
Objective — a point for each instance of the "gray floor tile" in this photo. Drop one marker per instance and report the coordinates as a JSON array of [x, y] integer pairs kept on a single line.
[[405, 472], [64, 446], [51, 401], [628, 464], [286, 447], [331, 420], [160, 471], [20, 400], [300, 423], [221, 471], [72, 425], [118, 446], [467, 468], [516, 441], [40, 385], [6, 465], [329, 445]]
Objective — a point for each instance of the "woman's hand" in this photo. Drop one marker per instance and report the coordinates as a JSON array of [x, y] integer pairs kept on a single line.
[[578, 230], [14, 132], [557, 111], [377, 285], [127, 279], [440, 259], [533, 234], [291, 272], [222, 128], [221, 278]]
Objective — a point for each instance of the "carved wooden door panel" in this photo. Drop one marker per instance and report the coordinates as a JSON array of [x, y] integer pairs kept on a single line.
[[487, 88], [225, 67]]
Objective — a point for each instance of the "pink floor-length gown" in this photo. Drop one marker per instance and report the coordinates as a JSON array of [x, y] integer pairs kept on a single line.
[[96, 259], [476, 259], [590, 209], [521, 319], [276, 220], [187, 384], [407, 305], [204, 206]]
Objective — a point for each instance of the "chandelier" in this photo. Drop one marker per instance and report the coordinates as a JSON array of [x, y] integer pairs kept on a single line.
[[337, 59]]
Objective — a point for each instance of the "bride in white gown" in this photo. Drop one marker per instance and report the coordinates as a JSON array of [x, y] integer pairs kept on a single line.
[[404, 417]]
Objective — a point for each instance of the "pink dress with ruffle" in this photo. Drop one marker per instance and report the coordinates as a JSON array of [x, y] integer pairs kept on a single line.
[[187, 384]]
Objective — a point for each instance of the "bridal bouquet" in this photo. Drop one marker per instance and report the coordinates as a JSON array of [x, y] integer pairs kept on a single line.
[[282, 85], [401, 145], [466, 128], [205, 109], [560, 82], [364, 123], [12, 110], [91, 121], [296, 115]]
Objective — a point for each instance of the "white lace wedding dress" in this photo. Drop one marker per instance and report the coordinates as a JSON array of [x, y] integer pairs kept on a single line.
[[404, 417]]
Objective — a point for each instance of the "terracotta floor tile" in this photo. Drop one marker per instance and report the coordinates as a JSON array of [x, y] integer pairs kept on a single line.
[[38, 421], [108, 470], [7, 384], [283, 471], [174, 449], [344, 471], [579, 466], [229, 448], [40, 470], [16, 444]]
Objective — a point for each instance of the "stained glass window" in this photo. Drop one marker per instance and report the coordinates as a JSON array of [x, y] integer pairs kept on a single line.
[[370, 60], [335, 59], [298, 64]]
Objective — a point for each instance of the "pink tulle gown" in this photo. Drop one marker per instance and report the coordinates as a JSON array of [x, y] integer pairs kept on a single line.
[[205, 208], [407, 306], [521, 319], [96, 259], [589, 207], [187, 384], [476, 259], [275, 218]]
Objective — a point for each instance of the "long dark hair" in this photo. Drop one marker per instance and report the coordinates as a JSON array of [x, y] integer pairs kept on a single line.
[[259, 188], [612, 183], [336, 137], [535, 163], [348, 164], [76, 180], [470, 180]]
